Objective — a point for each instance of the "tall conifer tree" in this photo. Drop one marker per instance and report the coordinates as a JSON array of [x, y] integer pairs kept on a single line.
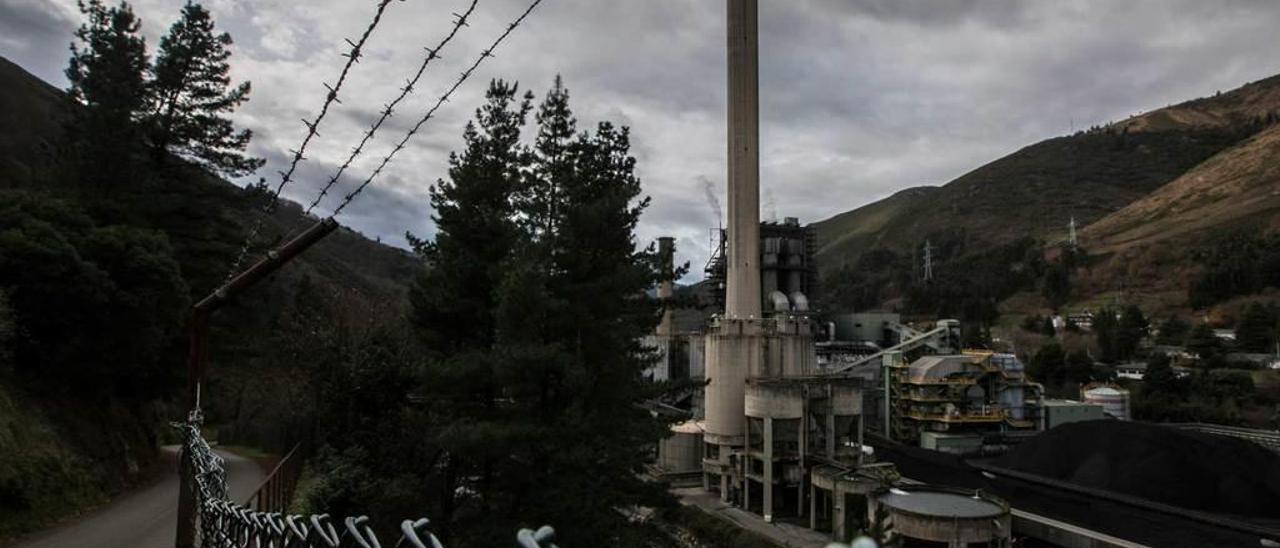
[[107, 73], [1256, 331], [454, 308], [534, 302], [581, 357], [192, 95]]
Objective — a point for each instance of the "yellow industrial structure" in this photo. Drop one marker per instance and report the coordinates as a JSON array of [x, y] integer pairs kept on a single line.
[[970, 393]]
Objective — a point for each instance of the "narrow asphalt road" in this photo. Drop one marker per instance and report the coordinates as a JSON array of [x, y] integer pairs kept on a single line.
[[146, 518]]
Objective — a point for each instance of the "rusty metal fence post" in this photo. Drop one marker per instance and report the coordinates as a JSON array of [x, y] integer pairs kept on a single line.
[[187, 514]]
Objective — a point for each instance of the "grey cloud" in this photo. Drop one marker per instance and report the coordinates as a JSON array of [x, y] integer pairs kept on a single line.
[[934, 12], [860, 98], [36, 34]]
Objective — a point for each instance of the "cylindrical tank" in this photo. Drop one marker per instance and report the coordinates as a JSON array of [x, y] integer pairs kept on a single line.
[[734, 348], [1114, 400], [682, 452], [944, 516]]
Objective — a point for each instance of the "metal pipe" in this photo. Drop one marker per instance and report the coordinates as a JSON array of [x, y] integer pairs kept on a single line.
[[272, 262]]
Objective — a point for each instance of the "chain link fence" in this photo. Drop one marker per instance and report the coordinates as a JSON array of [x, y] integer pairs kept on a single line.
[[223, 523]]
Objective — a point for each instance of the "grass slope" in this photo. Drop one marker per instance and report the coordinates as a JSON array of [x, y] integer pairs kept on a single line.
[[1239, 186]]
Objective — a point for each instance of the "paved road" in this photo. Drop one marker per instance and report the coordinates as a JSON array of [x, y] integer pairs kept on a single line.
[[784, 534], [145, 518]]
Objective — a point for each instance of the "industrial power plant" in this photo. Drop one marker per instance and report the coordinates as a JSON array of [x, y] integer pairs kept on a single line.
[[844, 424], [777, 429]]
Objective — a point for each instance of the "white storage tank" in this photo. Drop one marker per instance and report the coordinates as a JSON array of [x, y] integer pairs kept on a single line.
[[1113, 399]]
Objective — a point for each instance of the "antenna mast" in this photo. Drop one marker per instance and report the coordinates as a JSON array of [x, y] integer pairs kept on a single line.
[[1072, 238]]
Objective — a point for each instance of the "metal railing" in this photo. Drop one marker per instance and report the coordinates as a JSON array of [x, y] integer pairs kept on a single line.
[[226, 524], [276, 491]]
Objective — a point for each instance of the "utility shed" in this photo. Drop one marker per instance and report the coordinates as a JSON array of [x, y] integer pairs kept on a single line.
[[1060, 412]]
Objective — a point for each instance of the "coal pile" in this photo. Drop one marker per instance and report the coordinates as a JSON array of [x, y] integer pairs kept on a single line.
[[1177, 467]]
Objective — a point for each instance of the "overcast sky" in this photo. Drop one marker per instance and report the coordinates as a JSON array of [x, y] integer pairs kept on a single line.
[[860, 98]]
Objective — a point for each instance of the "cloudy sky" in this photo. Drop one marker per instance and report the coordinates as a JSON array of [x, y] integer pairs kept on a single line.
[[860, 98]]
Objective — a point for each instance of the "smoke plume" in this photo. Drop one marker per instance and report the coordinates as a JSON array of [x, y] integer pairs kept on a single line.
[[713, 199]]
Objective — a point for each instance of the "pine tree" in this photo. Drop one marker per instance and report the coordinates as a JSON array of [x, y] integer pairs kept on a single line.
[[1057, 285], [572, 316], [1132, 329], [1173, 331], [1257, 329], [1203, 342], [1079, 367], [1106, 328], [453, 301], [542, 199], [1160, 379], [107, 75], [1046, 327], [454, 309], [1049, 364], [535, 309], [192, 96]]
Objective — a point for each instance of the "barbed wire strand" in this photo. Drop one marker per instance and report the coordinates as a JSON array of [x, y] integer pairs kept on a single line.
[[432, 54], [487, 53], [299, 154]]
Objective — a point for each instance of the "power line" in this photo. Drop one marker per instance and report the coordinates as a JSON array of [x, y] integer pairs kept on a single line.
[[432, 53], [353, 57], [487, 53]]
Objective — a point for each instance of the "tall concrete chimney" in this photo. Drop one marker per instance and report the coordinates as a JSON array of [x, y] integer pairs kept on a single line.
[[666, 289], [735, 344], [742, 290]]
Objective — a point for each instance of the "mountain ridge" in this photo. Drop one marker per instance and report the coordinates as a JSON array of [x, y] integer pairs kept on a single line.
[[1106, 178]]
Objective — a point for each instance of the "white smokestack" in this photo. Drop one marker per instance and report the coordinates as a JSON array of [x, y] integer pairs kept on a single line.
[[742, 292]]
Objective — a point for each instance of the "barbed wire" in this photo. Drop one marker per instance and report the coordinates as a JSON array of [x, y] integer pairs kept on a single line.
[[353, 57], [432, 54], [226, 524], [487, 53]]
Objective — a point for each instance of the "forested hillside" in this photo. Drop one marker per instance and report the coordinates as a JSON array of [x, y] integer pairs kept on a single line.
[[95, 283], [1210, 232]]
